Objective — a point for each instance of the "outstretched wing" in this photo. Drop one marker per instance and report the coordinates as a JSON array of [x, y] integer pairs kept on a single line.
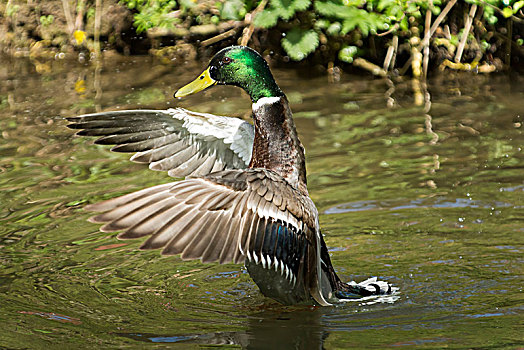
[[179, 141], [223, 217]]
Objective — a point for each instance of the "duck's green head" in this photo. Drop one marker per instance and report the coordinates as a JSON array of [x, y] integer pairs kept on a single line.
[[239, 66]]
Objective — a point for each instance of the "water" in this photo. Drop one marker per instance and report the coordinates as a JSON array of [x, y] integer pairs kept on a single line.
[[429, 198]]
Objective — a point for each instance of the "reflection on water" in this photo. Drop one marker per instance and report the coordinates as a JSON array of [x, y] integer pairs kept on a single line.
[[399, 204], [424, 193]]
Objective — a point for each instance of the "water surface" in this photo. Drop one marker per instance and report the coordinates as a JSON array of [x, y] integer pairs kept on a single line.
[[429, 198]]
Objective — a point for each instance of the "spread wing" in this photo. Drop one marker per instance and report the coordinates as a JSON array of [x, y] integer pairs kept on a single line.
[[226, 216], [179, 141]]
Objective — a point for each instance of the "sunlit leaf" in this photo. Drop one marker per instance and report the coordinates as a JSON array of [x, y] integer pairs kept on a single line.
[[299, 43], [507, 12], [287, 8], [347, 53], [233, 9], [334, 28], [330, 8], [266, 19]]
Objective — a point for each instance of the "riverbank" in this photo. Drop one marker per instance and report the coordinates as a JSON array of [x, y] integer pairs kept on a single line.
[[413, 39]]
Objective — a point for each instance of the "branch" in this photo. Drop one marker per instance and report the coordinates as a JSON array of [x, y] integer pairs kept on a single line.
[[249, 19], [425, 61], [389, 61], [68, 16], [437, 22], [371, 67], [395, 27], [219, 37], [513, 17], [465, 33]]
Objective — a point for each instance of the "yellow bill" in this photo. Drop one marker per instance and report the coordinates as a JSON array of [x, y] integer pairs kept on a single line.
[[203, 81]]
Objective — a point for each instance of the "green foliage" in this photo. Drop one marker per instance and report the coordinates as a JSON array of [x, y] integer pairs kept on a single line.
[[233, 9], [47, 20], [11, 10], [151, 13], [351, 17], [347, 53], [90, 12], [267, 18], [339, 24], [287, 8], [299, 43], [507, 8], [338, 19], [283, 9]]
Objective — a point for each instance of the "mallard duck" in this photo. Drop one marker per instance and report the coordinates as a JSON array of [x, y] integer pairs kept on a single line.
[[245, 198]]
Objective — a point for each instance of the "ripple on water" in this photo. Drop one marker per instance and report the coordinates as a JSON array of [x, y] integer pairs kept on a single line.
[[397, 204]]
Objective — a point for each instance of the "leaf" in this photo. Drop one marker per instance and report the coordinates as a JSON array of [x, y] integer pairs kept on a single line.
[[330, 8], [266, 19], [334, 28], [348, 25], [299, 43], [347, 53], [322, 23], [507, 12], [358, 18], [386, 4], [287, 8], [233, 9]]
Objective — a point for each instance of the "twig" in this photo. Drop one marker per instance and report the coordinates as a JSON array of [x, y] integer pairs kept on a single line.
[[371, 67], [389, 61], [515, 18], [465, 33], [68, 16], [248, 32], [79, 23], [98, 18], [474, 66], [219, 37], [425, 61], [437, 22], [447, 32], [395, 27], [395, 45], [389, 57]]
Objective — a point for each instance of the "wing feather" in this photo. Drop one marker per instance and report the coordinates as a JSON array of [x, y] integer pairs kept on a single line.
[[218, 239], [152, 153], [221, 217], [208, 241], [179, 141], [118, 201]]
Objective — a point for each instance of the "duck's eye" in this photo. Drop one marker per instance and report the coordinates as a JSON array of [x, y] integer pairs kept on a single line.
[[226, 60]]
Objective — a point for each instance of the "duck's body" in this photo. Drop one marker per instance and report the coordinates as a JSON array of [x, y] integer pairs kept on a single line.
[[249, 200]]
